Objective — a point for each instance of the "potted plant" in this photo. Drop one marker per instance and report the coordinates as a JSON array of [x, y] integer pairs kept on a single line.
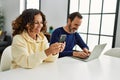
[[1, 22]]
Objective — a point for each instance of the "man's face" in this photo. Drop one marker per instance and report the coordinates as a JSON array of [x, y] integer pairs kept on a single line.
[[74, 25]]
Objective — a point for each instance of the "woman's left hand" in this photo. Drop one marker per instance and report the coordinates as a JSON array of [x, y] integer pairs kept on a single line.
[[62, 46]]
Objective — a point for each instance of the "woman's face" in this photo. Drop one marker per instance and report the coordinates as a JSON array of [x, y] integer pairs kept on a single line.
[[38, 24]]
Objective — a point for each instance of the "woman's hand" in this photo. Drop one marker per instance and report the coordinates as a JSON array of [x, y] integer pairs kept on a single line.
[[55, 48], [62, 46]]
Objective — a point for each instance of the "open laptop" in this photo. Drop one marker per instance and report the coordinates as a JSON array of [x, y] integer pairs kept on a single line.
[[95, 53]]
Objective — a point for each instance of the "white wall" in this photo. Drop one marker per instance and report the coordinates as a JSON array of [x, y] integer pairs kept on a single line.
[[0, 3], [55, 11], [11, 11]]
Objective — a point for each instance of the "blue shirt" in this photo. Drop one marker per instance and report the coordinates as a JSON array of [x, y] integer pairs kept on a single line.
[[72, 39]]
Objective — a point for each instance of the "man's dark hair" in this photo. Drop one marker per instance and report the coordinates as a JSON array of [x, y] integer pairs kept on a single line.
[[73, 15]]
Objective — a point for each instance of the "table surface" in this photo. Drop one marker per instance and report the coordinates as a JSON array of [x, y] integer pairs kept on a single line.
[[68, 68]]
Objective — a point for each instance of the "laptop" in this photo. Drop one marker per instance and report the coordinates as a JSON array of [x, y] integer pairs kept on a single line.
[[95, 53]]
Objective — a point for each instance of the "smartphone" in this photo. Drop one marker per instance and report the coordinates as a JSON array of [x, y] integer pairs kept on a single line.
[[62, 38]]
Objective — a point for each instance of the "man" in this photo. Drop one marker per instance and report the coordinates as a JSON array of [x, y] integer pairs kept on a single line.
[[73, 38]]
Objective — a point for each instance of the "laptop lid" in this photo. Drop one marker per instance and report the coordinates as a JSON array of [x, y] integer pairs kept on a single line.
[[96, 52]]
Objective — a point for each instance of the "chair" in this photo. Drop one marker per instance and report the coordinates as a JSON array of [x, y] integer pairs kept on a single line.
[[115, 52], [6, 59], [5, 42]]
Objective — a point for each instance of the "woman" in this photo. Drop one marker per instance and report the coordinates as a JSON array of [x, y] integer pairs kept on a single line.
[[30, 46]]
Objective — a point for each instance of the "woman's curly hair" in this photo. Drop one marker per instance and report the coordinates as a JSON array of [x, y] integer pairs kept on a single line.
[[19, 24]]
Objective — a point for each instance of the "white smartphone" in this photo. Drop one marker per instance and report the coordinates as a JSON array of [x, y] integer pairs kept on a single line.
[[62, 38]]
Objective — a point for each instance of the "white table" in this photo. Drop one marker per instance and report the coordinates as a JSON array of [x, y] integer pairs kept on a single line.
[[68, 68]]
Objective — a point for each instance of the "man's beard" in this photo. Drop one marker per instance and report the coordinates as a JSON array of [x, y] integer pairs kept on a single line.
[[72, 30]]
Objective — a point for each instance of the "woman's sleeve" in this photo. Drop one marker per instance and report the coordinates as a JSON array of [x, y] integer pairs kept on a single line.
[[22, 57], [51, 57]]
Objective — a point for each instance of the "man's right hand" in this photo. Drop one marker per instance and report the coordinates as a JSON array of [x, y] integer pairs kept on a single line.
[[80, 54]]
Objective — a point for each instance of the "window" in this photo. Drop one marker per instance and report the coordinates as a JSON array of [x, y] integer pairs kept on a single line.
[[33, 4], [99, 17]]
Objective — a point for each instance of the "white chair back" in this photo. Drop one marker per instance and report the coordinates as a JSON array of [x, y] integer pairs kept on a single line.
[[115, 52], [6, 59]]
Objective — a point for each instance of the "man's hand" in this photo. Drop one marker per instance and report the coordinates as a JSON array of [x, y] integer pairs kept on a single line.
[[87, 51], [80, 54]]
